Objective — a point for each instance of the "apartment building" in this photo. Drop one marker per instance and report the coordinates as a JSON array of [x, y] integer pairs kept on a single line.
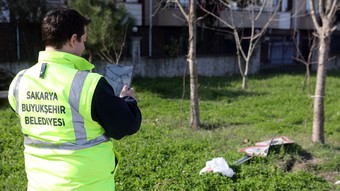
[[20, 38], [164, 29]]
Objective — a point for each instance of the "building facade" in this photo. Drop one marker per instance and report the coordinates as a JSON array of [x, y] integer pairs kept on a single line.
[[289, 35], [162, 30]]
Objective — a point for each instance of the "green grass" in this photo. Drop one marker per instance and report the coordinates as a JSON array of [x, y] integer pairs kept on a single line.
[[166, 154]]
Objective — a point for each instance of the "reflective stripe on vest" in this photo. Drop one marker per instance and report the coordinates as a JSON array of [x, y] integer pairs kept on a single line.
[[16, 92], [77, 119]]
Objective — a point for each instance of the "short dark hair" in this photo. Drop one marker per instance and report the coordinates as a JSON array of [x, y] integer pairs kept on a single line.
[[60, 24]]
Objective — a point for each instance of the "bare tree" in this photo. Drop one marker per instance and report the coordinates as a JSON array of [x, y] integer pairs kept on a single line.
[[190, 17], [252, 13], [323, 16], [307, 61]]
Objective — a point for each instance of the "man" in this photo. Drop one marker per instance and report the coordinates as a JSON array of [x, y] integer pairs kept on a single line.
[[68, 114]]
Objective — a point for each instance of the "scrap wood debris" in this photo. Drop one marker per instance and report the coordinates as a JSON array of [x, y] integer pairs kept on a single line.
[[262, 148]]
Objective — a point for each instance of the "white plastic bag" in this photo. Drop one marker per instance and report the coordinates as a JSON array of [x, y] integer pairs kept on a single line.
[[218, 165]]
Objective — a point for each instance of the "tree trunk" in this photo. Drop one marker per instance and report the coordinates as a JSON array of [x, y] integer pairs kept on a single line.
[[245, 74], [323, 16], [245, 82], [195, 117], [318, 116]]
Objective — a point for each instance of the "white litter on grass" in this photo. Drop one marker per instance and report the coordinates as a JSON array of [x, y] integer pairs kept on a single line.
[[337, 182], [218, 165]]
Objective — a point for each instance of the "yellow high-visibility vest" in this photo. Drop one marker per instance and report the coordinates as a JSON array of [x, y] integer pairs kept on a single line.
[[65, 149]]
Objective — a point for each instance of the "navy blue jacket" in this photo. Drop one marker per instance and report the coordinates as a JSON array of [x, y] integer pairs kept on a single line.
[[118, 116]]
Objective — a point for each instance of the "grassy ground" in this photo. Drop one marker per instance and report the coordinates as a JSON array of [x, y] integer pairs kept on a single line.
[[167, 155]]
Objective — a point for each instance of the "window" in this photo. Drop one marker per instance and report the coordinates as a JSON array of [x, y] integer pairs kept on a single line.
[[265, 5], [286, 5], [130, 1], [173, 4], [56, 1], [308, 6], [4, 12]]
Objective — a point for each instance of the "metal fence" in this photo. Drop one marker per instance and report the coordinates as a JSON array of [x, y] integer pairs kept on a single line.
[[19, 42]]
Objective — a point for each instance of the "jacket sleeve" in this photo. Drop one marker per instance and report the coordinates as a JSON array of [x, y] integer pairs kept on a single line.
[[118, 116]]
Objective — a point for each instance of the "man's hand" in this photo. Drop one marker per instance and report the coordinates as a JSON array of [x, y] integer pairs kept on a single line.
[[127, 92]]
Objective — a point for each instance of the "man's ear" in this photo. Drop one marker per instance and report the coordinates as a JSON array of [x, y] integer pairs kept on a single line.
[[73, 40]]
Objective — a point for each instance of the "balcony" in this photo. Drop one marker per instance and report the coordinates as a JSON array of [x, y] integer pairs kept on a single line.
[[242, 19], [134, 7]]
